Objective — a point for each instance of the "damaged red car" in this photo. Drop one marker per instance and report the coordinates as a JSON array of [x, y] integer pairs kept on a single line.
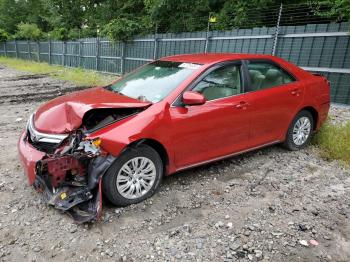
[[118, 141]]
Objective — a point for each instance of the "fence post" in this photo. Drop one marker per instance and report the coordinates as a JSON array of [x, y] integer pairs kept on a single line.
[[63, 52], [38, 48], [80, 52], [5, 48], [207, 39], [207, 36], [277, 30], [155, 48], [16, 49], [155, 43], [28, 50], [97, 53], [49, 42], [122, 59]]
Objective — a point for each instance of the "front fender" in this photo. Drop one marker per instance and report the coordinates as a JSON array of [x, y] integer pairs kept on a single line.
[[151, 124]]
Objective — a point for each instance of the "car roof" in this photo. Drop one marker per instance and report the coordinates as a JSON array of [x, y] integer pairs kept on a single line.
[[210, 58]]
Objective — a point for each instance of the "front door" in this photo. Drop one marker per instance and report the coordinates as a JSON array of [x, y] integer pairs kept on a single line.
[[217, 128]]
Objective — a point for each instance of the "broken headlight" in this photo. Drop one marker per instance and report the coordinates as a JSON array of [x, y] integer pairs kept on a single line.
[[91, 146]]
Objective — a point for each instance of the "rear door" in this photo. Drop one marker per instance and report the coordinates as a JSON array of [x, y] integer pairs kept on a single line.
[[218, 127], [276, 96]]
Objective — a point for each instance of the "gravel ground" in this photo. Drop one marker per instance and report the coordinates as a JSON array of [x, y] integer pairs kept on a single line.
[[267, 205]]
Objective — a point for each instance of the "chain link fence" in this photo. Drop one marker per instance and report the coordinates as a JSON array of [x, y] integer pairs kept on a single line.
[[298, 34]]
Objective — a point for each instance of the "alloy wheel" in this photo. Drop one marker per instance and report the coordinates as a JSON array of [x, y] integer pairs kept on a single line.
[[136, 177], [301, 130]]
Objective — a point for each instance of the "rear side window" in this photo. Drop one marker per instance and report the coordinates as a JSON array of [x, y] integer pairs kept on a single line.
[[265, 75]]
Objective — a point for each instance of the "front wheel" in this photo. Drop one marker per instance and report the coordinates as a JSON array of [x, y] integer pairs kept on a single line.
[[300, 131], [134, 176]]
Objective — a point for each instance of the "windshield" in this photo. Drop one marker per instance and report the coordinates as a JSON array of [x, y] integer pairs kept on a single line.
[[154, 81]]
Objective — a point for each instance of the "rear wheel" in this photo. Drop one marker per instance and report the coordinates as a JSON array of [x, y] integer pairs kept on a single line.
[[134, 176], [300, 131]]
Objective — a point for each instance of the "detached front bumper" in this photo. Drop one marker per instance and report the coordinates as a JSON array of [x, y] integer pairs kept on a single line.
[[82, 201], [82, 204]]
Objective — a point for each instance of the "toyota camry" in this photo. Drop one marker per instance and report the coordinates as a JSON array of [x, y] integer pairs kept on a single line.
[[119, 141]]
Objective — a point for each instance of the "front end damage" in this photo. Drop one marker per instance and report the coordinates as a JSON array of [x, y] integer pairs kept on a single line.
[[69, 173]]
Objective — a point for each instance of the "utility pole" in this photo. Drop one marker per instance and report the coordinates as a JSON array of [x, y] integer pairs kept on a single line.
[[277, 30]]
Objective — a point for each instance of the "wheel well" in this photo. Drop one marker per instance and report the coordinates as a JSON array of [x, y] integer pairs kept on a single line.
[[313, 113], [156, 146]]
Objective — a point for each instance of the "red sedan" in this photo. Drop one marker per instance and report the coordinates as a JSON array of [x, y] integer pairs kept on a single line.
[[172, 114]]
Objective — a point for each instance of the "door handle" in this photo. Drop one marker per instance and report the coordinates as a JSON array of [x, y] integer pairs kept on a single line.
[[295, 91], [242, 105]]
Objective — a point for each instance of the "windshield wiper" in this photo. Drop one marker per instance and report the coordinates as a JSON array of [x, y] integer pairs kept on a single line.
[[143, 99]]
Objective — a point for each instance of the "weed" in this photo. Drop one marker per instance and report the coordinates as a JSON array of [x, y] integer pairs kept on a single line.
[[78, 76], [334, 141]]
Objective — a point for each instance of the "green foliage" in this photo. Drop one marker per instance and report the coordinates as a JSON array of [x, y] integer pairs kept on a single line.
[[11, 14], [121, 29], [184, 15], [339, 8], [3, 35], [74, 33], [122, 19], [238, 13], [67, 14], [334, 142], [59, 34], [28, 31]]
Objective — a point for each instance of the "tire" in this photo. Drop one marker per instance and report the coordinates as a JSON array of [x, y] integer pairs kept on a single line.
[[294, 141], [122, 172]]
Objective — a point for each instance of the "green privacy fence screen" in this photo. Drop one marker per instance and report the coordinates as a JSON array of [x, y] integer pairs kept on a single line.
[[322, 48]]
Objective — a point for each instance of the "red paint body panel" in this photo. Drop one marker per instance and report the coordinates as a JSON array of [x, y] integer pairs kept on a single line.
[[28, 156], [272, 111], [214, 129], [193, 98], [191, 134], [65, 113]]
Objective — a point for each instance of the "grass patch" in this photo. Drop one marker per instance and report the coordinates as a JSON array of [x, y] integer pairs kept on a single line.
[[334, 142], [78, 76]]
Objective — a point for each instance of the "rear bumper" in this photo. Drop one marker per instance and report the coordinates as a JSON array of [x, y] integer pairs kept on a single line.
[[29, 156], [323, 114]]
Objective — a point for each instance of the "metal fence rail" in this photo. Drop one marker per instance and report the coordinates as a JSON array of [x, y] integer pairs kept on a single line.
[[321, 48]]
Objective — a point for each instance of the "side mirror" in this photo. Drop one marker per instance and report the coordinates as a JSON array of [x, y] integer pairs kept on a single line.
[[192, 98]]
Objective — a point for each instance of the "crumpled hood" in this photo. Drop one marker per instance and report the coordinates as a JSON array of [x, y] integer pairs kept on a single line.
[[65, 113]]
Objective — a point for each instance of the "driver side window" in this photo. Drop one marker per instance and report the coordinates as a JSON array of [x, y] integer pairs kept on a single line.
[[222, 82]]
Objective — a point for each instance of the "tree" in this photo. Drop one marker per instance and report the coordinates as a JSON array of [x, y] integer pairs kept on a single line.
[[121, 29], [66, 14], [3, 35], [59, 34], [178, 15], [120, 19], [339, 8], [12, 12], [28, 31]]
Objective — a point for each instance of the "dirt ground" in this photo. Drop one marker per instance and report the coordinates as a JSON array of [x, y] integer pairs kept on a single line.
[[267, 205]]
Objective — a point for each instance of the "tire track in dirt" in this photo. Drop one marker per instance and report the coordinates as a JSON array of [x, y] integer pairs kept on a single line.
[[28, 97], [32, 87]]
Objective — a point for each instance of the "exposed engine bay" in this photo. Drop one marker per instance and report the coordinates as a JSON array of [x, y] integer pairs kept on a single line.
[[98, 118], [70, 173]]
